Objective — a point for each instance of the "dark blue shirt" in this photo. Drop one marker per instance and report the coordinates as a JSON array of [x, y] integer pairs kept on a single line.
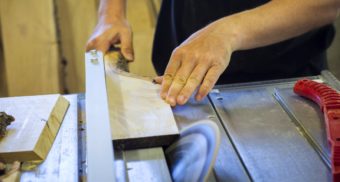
[[300, 56]]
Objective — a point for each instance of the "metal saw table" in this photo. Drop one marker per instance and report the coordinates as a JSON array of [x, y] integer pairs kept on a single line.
[[267, 134]]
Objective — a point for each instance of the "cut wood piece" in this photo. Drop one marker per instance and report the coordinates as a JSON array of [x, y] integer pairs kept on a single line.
[[61, 163], [139, 117], [37, 121]]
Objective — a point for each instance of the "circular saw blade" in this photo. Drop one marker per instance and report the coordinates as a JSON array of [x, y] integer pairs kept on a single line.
[[192, 157]]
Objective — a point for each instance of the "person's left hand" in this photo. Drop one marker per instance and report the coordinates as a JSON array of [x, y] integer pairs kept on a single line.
[[197, 63]]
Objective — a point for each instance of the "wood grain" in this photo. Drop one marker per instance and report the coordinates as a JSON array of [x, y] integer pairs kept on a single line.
[[30, 47], [139, 16], [139, 117], [61, 163], [37, 121], [3, 82], [76, 22], [3, 85]]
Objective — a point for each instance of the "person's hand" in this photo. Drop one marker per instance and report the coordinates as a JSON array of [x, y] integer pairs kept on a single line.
[[197, 63], [112, 32]]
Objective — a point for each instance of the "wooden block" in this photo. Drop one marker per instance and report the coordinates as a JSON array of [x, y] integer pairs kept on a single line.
[[139, 117], [30, 47], [61, 163], [37, 121]]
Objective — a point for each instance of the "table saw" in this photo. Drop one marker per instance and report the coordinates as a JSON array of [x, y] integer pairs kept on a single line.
[[268, 133]]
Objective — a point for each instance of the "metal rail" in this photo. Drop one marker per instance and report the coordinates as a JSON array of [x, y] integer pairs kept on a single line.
[[99, 148]]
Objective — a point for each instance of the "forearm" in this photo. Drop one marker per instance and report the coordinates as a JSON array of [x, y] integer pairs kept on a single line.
[[276, 21], [112, 9]]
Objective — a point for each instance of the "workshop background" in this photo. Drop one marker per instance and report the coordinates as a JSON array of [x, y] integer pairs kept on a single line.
[[42, 43]]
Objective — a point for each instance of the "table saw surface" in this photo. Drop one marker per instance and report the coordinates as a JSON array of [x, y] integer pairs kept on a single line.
[[267, 134]]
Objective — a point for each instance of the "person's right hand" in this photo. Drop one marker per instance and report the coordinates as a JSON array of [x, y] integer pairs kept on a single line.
[[112, 32]]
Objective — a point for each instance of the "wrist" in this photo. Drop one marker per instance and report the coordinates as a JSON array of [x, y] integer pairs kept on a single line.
[[229, 31], [111, 18], [112, 11]]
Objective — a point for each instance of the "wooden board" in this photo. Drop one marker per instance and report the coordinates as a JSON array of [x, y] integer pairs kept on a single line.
[[30, 47], [61, 163], [3, 87], [37, 121], [139, 117], [141, 18], [76, 22]]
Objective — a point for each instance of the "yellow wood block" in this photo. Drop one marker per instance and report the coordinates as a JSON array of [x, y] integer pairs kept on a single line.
[[37, 121]]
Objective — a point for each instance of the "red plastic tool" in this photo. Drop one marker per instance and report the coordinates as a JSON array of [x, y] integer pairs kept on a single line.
[[329, 102]]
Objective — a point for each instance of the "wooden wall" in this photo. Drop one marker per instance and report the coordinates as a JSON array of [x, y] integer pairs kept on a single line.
[[76, 21], [30, 47], [43, 43], [3, 82], [142, 16]]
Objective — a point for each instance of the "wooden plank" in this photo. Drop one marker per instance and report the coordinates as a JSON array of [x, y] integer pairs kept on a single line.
[[3, 82], [3, 85], [30, 47], [76, 22], [138, 14], [61, 163], [139, 117], [37, 121]]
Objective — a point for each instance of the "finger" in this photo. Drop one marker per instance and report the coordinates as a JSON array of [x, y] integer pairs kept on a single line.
[[115, 40], [194, 80], [170, 71], [157, 80], [127, 45], [90, 45], [97, 44], [179, 81], [103, 46], [209, 81]]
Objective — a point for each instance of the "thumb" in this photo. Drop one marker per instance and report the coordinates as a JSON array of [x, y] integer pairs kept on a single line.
[[126, 46]]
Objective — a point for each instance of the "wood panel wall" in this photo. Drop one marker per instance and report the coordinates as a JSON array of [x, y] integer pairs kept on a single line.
[[142, 19], [76, 21], [44, 40], [3, 82], [30, 47], [42, 43]]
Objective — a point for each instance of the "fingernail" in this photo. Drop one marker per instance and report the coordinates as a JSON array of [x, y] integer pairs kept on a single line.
[[198, 97], [171, 101], [163, 96], [181, 99], [129, 57]]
